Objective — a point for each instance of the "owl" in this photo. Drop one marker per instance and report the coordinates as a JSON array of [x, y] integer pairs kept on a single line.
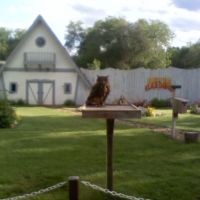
[[99, 92]]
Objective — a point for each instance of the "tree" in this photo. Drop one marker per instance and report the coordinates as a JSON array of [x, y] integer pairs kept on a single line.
[[74, 36], [149, 41], [4, 37], [186, 57], [118, 43], [8, 41], [105, 42], [96, 64]]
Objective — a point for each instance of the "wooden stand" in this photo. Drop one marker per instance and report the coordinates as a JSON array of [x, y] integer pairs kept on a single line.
[[191, 137], [110, 113], [110, 129], [174, 112], [174, 116], [73, 187]]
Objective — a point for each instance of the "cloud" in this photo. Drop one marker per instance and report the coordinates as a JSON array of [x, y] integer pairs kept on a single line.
[[181, 15], [88, 14], [183, 38], [192, 5], [183, 24], [87, 10]]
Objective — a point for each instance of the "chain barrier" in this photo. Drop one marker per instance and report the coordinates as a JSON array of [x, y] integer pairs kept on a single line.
[[86, 183], [33, 194], [112, 193]]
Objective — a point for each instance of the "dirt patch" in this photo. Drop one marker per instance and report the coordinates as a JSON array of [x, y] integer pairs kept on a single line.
[[74, 111], [179, 135]]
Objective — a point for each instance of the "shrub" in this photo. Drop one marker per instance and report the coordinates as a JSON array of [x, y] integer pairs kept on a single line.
[[8, 116], [194, 109], [150, 112], [19, 102], [69, 103], [160, 103]]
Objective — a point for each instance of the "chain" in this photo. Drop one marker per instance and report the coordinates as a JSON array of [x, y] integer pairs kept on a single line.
[[113, 193], [86, 183], [33, 194]]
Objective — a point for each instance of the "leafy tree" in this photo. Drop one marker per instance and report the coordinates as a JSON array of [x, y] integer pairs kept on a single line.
[[4, 37], [105, 42], [149, 41], [75, 35], [192, 59], [8, 41], [96, 64], [118, 43], [14, 38], [186, 57]]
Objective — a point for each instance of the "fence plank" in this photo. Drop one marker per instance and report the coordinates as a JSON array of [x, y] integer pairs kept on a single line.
[[131, 83]]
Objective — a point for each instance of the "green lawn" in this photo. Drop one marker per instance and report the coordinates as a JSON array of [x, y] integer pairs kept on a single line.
[[50, 145], [185, 121]]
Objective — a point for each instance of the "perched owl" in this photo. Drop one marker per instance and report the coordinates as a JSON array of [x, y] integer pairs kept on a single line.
[[99, 92]]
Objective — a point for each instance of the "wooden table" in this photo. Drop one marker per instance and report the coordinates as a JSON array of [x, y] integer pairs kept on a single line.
[[110, 113]]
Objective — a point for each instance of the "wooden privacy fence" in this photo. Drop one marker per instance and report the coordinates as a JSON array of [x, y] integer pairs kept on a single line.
[[132, 84]]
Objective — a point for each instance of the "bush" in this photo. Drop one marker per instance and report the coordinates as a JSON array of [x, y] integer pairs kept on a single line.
[[194, 109], [8, 116], [150, 112], [69, 103], [19, 102], [160, 103]]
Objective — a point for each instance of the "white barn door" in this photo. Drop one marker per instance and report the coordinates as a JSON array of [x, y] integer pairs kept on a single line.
[[48, 93], [40, 92], [32, 89]]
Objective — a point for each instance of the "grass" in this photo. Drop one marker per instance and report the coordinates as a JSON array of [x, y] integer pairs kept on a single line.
[[186, 121], [50, 145]]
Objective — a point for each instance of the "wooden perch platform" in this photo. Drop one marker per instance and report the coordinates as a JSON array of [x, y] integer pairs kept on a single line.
[[111, 111]]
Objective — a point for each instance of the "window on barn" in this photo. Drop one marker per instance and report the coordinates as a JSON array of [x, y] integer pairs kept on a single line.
[[40, 41], [13, 88], [67, 88]]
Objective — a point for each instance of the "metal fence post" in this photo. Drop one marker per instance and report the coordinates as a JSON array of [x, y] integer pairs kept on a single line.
[[73, 188]]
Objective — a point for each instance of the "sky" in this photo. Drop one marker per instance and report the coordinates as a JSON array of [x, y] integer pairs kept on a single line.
[[182, 16]]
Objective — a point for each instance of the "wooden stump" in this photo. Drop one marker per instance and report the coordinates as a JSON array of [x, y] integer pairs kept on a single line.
[[191, 137]]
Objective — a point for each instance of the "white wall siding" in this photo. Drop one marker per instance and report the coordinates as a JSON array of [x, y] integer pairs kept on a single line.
[[2, 90], [131, 83], [50, 46], [81, 93], [59, 78]]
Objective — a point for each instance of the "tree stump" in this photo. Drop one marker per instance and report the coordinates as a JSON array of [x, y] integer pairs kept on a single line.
[[191, 137]]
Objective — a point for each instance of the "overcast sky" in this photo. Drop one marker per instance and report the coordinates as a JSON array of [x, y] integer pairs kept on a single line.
[[182, 16]]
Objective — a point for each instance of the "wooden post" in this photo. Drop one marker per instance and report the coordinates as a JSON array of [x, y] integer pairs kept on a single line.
[[110, 128], [173, 115], [191, 137], [73, 188]]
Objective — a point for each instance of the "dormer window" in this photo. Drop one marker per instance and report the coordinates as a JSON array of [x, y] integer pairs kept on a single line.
[[40, 41]]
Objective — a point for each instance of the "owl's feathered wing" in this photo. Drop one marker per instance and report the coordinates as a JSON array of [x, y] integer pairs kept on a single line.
[[97, 95]]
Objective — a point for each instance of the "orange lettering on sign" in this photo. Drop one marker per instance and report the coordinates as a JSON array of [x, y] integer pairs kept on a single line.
[[158, 83]]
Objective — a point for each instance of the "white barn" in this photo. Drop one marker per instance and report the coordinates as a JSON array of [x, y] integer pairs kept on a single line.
[[40, 70]]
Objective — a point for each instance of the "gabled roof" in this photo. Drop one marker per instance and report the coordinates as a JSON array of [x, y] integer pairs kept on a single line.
[[38, 20]]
